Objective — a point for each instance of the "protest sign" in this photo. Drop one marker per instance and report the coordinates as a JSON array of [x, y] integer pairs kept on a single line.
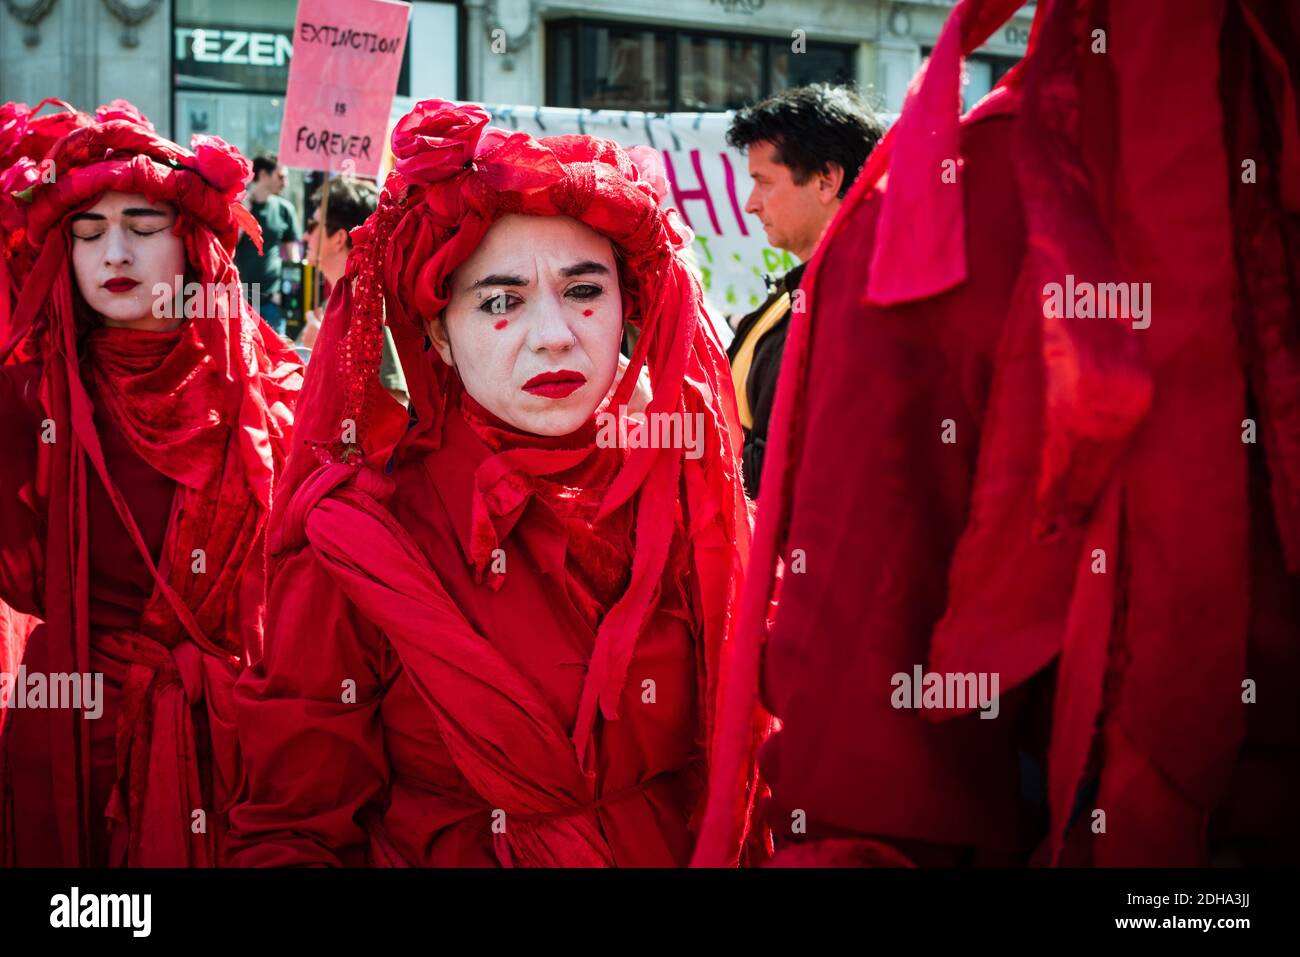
[[347, 55]]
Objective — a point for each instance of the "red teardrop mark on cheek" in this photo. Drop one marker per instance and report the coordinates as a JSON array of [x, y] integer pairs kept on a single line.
[[501, 324], [587, 312]]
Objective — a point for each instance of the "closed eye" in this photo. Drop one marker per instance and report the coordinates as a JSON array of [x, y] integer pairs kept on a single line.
[[86, 237]]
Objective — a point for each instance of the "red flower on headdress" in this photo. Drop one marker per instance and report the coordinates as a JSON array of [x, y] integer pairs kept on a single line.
[[23, 133], [21, 175], [437, 140], [44, 131], [649, 163], [13, 124], [18, 178], [123, 110], [221, 165]]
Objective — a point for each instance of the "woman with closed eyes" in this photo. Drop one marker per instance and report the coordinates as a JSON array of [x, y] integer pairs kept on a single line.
[[495, 631], [143, 431]]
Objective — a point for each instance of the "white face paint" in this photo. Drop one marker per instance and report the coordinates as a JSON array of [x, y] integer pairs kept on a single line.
[[535, 322], [122, 247]]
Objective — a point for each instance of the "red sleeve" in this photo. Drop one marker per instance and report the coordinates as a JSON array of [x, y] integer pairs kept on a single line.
[[21, 546], [313, 752]]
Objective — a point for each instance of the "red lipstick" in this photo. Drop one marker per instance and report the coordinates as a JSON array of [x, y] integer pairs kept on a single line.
[[121, 284], [555, 385]]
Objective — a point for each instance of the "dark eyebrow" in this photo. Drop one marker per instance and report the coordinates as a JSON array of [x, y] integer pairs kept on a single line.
[[586, 268], [99, 217], [499, 280]]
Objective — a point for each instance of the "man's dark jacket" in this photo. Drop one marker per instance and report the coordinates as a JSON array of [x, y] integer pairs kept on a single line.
[[760, 385]]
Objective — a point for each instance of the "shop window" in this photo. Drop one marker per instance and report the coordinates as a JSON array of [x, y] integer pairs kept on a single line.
[[980, 73], [602, 66], [818, 64], [621, 68], [718, 73]]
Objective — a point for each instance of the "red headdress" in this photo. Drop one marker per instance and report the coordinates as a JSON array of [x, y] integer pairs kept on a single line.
[[25, 138], [208, 406], [454, 178]]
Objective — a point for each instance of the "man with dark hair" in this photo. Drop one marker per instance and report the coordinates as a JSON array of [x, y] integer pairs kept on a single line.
[[279, 222], [805, 147], [351, 201]]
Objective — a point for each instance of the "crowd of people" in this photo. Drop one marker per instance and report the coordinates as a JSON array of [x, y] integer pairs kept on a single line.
[[1021, 587]]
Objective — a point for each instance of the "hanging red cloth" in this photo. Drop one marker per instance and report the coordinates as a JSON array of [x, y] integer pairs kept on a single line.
[[1089, 533], [521, 695], [25, 138], [202, 415]]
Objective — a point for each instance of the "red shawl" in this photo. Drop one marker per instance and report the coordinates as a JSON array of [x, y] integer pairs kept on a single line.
[[209, 406], [453, 179]]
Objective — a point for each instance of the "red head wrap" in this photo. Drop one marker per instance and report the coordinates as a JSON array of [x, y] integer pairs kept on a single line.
[[25, 138], [454, 178]]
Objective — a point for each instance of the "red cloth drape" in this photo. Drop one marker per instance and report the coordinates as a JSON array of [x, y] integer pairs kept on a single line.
[[465, 696], [1075, 438]]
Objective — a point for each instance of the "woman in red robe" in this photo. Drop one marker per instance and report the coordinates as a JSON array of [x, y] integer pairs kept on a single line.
[[142, 440], [495, 625]]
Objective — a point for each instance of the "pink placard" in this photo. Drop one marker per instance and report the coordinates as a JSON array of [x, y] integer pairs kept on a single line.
[[347, 55]]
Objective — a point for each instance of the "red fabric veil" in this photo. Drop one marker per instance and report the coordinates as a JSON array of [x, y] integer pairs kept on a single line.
[[454, 178], [208, 406]]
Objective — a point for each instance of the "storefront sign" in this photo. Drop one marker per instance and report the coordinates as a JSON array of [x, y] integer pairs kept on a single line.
[[225, 57]]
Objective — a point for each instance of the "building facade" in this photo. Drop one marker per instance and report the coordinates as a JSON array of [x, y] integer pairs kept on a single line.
[[222, 65], [710, 55]]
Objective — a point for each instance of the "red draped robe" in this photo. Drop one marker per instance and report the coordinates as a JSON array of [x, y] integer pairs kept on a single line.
[[161, 763], [400, 703], [120, 586], [1121, 684]]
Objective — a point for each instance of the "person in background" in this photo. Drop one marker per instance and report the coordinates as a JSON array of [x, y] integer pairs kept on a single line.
[[351, 201], [805, 147], [260, 271]]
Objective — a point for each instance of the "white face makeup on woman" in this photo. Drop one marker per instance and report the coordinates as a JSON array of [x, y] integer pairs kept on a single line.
[[535, 322], [122, 247]]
